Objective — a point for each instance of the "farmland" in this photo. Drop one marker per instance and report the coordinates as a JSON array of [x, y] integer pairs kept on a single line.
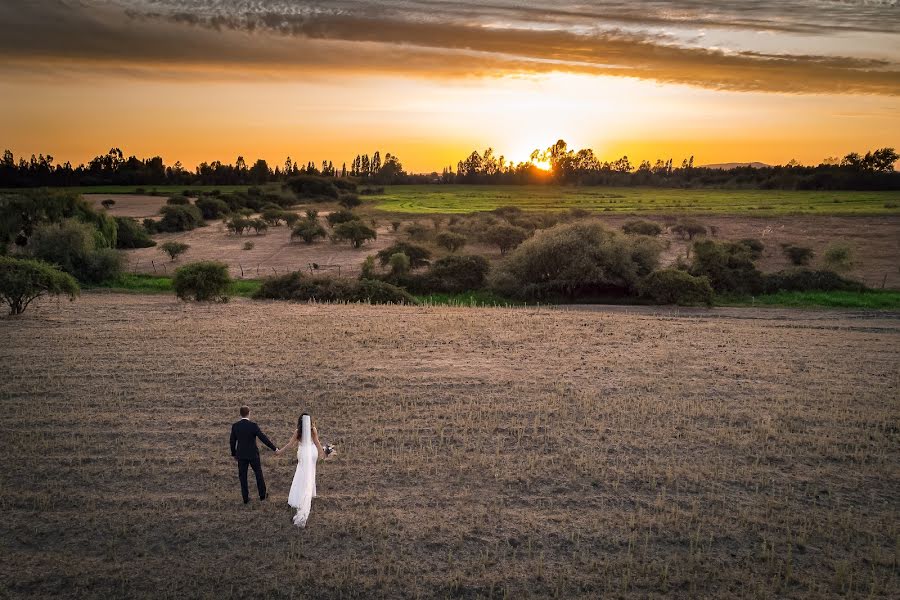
[[482, 452]]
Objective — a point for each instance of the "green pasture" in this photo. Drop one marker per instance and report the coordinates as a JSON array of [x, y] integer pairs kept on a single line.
[[425, 199], [162, 190]]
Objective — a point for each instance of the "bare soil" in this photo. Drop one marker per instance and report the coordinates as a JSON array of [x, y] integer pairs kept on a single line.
[[635, 453], [129, 205]]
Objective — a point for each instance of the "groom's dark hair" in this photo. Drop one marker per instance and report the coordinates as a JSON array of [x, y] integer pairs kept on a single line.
[[245, 410]]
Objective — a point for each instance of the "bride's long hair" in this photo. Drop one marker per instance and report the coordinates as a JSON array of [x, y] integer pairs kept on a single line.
[[300, 426]]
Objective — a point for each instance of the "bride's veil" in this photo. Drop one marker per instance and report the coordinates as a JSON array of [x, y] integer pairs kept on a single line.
[[306, 456]]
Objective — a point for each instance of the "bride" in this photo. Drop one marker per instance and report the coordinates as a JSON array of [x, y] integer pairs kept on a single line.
[[309, 449]]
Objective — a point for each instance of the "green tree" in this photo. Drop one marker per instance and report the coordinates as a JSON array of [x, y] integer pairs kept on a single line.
[[505, 236], [23, 280], [451, 241], [355, 232], [205, 281], [418, 256], [308, 230], [399, 264], [174, 249], [72, 246]]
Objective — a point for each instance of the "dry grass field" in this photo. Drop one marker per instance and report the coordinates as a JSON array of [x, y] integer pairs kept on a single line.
[[483, 453]]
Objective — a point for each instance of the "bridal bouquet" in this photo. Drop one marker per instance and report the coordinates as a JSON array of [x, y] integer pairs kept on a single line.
[[329, 450]]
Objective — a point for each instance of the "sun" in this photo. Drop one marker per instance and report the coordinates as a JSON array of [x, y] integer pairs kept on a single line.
[[543, 165]]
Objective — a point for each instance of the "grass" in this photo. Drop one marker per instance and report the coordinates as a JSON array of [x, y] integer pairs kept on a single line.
[[872, 299], [137, 283], [444, 199], [145, 189], [473, 299]]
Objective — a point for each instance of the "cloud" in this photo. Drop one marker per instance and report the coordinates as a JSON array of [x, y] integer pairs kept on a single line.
[[273, 38]]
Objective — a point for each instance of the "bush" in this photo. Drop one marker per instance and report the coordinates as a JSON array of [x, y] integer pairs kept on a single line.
[[798, 255], [808, 280], [273, 216], [753, 246], [505, 237], [308, 230], [259, 225], [341, 216], [640, 227], [290, 218], [355, 232], [673, 286], [23, 211], [178, 201], [238, 225], [131, 234], [248, 245], [399, 264], [451, 241], [314, 188], [372, 191], [418, 231], [177, 218], [418, 256], [108, 203], [205, 281], [212, 208], [72, 246], [300, 288], [728, 266], [174, 249], [349, 201], [689, 229], [839, 257], [456, 274], [23, 280], [577, 259]]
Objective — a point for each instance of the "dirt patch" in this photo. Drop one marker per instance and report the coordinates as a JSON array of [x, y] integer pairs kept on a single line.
[[483, 452], [129, 205]]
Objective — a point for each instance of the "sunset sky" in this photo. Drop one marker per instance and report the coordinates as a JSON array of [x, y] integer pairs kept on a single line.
[[200, 80]]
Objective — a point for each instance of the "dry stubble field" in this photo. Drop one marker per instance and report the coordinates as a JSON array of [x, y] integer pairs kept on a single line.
[[483, 452]]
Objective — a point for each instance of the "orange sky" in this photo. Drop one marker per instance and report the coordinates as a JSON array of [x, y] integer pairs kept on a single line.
[[155, 85]]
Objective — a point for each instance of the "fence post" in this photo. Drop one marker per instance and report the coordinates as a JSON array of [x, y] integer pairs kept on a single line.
[[153, 262]]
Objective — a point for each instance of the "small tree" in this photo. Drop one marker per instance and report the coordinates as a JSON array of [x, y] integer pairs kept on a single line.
[[418, 256], [673, 286], [505, 237], [108, 203], [290, 218], [839, 257], [451, 241], [205, 281], [689, 229], [341, 216], [24, 280], [238, 225], [399, 264], [349, 201], [308, 231], [273, 216], [355, 232], [178, 201], [641, 227], [174, 249], [259, 225], [212, 208], [798, 255]]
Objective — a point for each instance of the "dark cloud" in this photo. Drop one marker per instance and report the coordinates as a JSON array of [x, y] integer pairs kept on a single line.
[[218, 39]]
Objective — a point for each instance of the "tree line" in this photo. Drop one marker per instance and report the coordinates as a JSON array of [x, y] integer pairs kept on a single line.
[[873, 170]]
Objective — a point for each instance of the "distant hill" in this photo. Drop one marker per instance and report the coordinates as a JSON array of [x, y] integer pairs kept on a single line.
[[727, 166]]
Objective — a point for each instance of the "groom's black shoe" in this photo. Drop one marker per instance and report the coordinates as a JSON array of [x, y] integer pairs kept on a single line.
[[246, 500], [264, 498]]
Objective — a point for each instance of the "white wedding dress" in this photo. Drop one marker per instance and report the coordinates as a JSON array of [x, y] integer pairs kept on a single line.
[[303, 488]]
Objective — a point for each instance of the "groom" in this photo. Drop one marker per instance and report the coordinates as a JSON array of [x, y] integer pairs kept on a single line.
[[244, 451]]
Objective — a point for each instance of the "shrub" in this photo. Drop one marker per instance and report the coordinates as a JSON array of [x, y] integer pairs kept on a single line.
[[399, 264], [108, 203], [728, 266], [355, 232], [418, 256], [205, 281], [451, 241], [72, 246], [839, 257], [308, 230], [395, 225], [689, 229], [174, 249], [212, 208], [313, 188], [23, 280], [418, 231], [798, 255], [248, 245], [177, 218], [300, 288], [349, 201], [372, 191], [456, 274], [238, 225], [673, 286], [131, 234], [290, 218], [23, 211], [753, 246], [580, 258], [808, 280], [273, 216], [341, 216], [178, 201], [505, 237], [640, 227], [259, 225]]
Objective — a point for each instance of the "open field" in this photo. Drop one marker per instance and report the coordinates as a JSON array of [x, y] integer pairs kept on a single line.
[[482, 452], [445, 199]]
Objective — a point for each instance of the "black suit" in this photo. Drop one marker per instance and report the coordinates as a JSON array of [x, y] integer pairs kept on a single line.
[[243, 448]]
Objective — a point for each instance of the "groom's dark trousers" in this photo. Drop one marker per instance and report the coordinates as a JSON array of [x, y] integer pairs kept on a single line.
[[243, 448]]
